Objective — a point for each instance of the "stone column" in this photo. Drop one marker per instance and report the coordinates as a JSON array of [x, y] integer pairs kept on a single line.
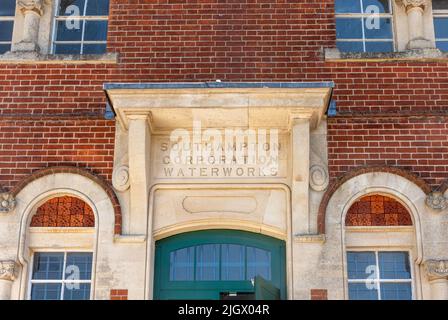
[[139, 144], [300, 141], [8, 271], [415, 10], [437, 272], [32, 11]]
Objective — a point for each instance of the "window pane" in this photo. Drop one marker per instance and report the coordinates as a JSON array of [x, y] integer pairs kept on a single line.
[[349, 28], [95, 31], [207, 262], [6, 30], [71, 7], [360, 265], [350, 46], [94, 48], [67, 32], [442, 45], [7, 8], [394, 265], [46, 291], [441, 28], [233, 262], [440, 4], [258, 263], [48, 266], [382, 5], [67, 49], [383, 30], [182, 265], [396, 291], [377, 46], [98, 8], [360, 291], [4, 48], [78, 266], [347, 6], [77, 291]]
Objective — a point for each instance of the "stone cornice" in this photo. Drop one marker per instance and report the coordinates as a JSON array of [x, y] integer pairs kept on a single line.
[[8, 270], [436, 269]]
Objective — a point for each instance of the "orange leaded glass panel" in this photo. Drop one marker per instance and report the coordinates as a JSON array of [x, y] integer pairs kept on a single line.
[[377, 210], [65, 212]]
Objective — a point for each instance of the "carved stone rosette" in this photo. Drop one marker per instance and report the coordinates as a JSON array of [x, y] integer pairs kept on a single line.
[[437, 201], [7, 202], [436, 269], [120, 178], [8, 270]]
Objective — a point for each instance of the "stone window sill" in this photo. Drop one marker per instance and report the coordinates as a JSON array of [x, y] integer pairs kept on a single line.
[[37, 58], [333, 54]]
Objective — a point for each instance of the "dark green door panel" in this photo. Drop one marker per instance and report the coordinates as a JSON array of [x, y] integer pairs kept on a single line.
[[265, 290], [189, 283]]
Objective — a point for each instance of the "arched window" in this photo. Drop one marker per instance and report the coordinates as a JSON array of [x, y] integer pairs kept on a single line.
[[65, 211], [379, 247], [64, 274]]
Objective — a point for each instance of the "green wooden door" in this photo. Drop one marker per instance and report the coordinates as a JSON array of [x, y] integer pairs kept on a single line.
[[213, 264]]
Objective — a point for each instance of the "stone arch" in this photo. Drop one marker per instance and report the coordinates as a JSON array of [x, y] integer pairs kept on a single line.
[[410, 177], [79, 172]]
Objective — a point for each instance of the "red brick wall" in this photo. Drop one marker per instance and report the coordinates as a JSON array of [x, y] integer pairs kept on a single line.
[[319, 294], [417, 144], [118, 294], [232, 40]]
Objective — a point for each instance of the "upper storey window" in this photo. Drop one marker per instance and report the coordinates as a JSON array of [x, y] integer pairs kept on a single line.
[[7, 13], [364, 25], [440, 9], [80, 27]]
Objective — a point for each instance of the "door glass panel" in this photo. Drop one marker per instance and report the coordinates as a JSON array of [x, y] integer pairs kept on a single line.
[[233, 258], [207, 262], [182, 265], [258, 263]]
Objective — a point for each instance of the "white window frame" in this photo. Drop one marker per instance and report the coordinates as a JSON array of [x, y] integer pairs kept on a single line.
[[440, 14], [62, 281], [82, 20], [363, 16], [378, 280], [8, 18]]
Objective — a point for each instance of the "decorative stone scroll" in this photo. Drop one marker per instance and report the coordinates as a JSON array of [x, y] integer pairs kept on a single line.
[[8, 270], [120, 178], [7, 202], [319, 178]]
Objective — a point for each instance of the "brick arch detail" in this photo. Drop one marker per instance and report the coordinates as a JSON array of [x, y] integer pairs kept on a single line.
[[82, 172], [375, 210], [335, 185], [63, 212]]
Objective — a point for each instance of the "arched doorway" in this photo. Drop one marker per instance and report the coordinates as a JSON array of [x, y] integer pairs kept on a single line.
[[220, 264]]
